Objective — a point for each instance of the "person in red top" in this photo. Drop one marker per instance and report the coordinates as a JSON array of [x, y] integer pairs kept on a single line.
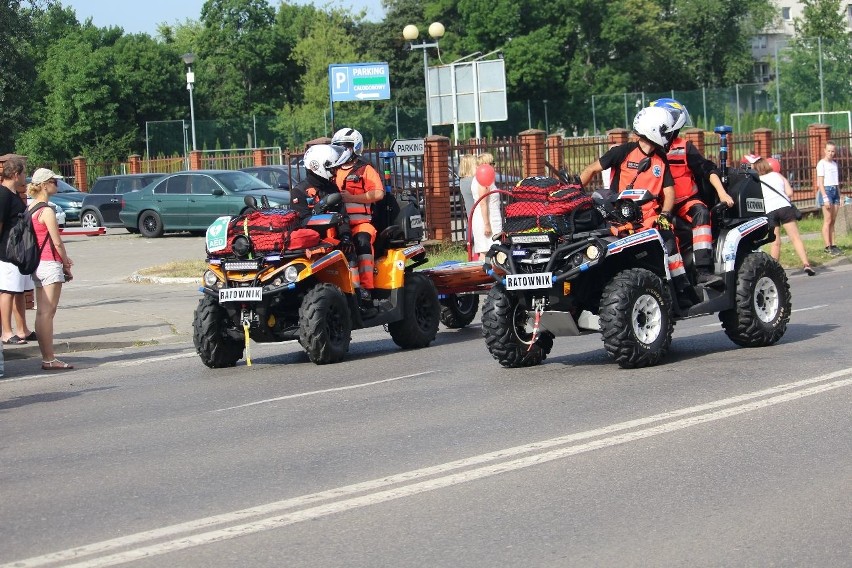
[[361, 187], [689, 168], [54, 268], [651, 124]]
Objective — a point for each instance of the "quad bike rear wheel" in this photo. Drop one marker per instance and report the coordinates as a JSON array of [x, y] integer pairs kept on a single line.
[[635, 318], [763, 303], [458, 310], [214, 346], [421, 314], [325, 324], [504, 326]]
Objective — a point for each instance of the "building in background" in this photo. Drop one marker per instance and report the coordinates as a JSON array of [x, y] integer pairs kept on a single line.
[[765, 46]]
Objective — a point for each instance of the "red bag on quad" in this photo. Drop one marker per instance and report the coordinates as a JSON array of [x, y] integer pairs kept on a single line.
[[270, 231], [547, 204]]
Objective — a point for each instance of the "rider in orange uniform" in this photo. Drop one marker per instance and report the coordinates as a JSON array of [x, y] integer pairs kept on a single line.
[[361, 186], [689, 168], [651, 125]]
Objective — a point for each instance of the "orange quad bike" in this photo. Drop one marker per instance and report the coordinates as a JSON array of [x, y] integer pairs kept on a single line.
[[269, 280]]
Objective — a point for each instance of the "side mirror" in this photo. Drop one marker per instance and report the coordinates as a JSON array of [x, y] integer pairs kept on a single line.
[[218, 191], [249, 200]]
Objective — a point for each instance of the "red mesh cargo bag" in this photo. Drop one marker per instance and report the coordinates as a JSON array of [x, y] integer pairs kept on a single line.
[[545, 203], [269, 230]]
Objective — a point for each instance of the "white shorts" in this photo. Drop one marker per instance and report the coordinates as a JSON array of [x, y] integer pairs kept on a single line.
[[11, 279], [48, 272]]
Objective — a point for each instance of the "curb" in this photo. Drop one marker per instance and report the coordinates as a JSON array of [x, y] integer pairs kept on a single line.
[[139, 278]]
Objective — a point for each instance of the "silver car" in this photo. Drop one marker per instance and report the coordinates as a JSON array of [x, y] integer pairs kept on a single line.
[[60, 213]]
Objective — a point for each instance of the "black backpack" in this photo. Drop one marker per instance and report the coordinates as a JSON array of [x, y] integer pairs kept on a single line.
[[22, 248]]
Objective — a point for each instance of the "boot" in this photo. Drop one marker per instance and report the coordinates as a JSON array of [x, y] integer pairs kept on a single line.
[[706, 277]]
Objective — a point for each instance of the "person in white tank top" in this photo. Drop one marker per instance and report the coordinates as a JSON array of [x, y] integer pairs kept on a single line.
[[779, 209]]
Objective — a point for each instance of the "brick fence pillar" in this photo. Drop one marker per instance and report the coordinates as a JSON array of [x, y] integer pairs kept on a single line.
[[618, 136], [696, 136], [533, 152], [135, 164], [81, 177], [763, 142], [436, 183], [258, 157], [818, 136], [195, 160], [555, 155]]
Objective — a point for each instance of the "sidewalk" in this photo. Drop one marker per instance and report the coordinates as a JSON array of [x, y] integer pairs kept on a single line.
[[106, 307]]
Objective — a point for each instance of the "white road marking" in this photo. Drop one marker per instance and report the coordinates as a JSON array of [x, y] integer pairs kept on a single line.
[[148, 360], [275, 515], [324, 391], [820, 306]]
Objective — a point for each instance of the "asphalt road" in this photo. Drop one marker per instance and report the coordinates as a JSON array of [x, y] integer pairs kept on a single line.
[[722, 456]]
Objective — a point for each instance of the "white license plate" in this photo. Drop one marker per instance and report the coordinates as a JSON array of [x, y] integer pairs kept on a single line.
[[241, 295], [529, 281]]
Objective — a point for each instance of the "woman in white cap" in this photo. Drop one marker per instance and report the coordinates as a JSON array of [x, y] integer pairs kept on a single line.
[[54, 268]]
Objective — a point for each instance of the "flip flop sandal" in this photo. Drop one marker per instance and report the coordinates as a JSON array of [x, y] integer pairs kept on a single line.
[[15, 340], [55, 365], [31, 337]]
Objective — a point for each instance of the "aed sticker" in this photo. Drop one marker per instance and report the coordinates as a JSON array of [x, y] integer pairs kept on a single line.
[[400, 265], [217, 234]]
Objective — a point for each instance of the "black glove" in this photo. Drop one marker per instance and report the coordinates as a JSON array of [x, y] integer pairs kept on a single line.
[[346, 245]]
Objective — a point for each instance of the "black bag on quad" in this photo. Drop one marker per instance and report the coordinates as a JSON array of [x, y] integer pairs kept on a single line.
[[541, 203]]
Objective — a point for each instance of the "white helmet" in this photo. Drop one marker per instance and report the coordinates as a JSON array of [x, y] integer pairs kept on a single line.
[[349, 136], [655, 124], [323, 159]]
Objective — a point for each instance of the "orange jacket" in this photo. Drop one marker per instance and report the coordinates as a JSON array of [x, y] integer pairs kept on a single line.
[[684, 183], [358, 180], [624, 161]]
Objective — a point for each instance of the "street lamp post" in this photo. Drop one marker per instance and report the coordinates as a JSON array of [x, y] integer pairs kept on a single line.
[[189, 59], [410, 33]]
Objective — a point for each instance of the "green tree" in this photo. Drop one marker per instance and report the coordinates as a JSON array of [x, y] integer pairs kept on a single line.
[[817, 62], [240, 65], [327, 42]]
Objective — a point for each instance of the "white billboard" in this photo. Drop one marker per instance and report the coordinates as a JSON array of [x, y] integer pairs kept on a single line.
[[468, 92]]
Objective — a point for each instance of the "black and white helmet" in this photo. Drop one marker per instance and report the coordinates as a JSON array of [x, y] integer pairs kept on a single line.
[[349, 136], [654, 123], [323, 159]]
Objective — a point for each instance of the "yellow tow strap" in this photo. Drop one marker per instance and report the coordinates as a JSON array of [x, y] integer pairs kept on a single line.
[[248, 348]]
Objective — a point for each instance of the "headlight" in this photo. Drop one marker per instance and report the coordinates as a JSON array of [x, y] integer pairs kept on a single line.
[[291, 273], [501, 257], [593, 252], [210, 279]]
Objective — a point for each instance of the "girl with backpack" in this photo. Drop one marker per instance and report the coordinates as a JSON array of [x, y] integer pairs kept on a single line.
[[53, 270]]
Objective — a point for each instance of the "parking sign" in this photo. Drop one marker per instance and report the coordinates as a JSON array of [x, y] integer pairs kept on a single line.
[[359, 82]]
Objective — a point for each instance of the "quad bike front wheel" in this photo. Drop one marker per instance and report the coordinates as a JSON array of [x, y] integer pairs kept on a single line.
[[325, 324], [763, 303], [458, 310], [635, 318], [506, 331], [209, 326], [421, 314]]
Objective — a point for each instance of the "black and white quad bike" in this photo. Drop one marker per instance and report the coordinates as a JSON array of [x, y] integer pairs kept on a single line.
[[615, 280]]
